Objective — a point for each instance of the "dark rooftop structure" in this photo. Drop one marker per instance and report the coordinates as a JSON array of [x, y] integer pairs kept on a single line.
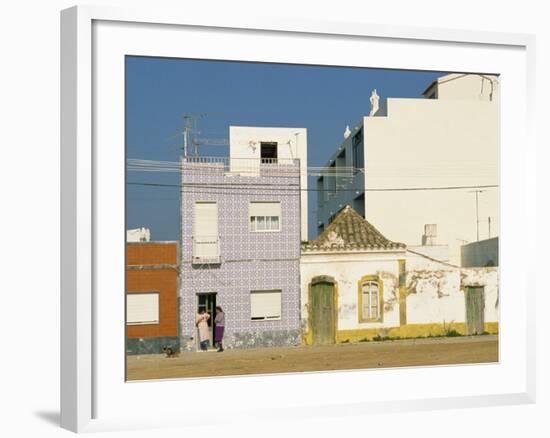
[[351, 231], [483, 253]]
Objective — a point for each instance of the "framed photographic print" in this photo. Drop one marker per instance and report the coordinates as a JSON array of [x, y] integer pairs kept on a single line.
[[269, 207]]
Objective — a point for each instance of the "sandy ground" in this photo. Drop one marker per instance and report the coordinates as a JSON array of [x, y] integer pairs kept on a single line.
[[434, 351]]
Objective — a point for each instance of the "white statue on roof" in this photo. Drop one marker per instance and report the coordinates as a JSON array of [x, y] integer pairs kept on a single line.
[[347, 132], [374, 103]]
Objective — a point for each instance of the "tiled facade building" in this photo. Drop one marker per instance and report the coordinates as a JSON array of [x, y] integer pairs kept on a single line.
[[241, 229]]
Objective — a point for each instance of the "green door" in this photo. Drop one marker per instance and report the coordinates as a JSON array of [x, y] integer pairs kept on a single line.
[[322, 313], [475, 310]]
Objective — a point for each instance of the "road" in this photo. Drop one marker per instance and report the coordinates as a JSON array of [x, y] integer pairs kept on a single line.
[[387, 354]]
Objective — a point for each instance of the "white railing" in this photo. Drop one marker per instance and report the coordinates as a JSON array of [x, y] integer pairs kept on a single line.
[[244, 160], [223, 163], [206, 249]]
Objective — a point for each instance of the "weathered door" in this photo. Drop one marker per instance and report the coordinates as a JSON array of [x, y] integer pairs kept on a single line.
[[475, 310], [322, 313]]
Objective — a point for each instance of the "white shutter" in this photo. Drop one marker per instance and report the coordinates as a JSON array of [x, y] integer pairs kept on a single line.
[[206, 219], [265, 209], [205, 230], [265, 304], [142, 308]]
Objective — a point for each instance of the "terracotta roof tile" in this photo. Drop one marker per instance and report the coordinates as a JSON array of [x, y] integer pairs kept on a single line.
[[349, 230]]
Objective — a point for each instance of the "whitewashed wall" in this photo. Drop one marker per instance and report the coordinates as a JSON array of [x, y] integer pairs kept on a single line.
[[433, 288], [433, 143], [347, 269], [474, 87], [434, 292]]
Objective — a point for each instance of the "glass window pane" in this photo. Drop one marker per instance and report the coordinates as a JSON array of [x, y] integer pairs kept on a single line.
[[274, 222], [366, 301], [260, 223], [370, 300]]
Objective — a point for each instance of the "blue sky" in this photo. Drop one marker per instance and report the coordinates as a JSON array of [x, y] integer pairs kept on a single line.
[[159, 90]]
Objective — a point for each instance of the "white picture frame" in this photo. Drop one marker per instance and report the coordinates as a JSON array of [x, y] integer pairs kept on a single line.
[[89, 397]]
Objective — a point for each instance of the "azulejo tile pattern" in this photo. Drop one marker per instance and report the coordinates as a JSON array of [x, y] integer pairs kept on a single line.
[[249, 260]]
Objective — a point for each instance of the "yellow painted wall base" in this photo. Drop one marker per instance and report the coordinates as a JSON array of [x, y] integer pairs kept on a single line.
[[405, 331]]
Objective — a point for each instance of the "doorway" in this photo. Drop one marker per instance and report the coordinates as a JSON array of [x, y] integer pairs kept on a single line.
[[323, 315], [207, 302], [268, 152], [475, 309]]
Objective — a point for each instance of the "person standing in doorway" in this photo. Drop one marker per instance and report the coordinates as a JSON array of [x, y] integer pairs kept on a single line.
[[201, 321], [219, 322]]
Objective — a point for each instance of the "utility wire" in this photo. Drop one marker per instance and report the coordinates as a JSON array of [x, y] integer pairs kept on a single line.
[[381, 170], [237, 186]]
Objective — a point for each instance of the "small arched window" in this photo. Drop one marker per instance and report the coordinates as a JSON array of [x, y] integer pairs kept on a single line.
[[370, 299]]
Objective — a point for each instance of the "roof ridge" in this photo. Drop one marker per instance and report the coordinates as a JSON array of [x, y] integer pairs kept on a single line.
[[351, 230]]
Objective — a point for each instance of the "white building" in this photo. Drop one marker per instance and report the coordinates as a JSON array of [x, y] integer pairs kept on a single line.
[[249, 146], [430, 246], [357, 284], [138, 235], [448, 138]]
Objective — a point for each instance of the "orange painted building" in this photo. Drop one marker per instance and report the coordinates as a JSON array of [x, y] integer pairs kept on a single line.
[[152, 305]]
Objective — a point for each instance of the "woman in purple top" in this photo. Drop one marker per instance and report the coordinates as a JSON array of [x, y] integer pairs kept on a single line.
[[219, 322]]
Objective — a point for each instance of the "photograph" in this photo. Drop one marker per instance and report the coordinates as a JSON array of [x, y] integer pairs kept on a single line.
[[290, 218]]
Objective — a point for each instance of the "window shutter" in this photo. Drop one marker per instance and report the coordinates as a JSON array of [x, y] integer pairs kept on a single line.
[[205, 230], [265, 305], [206, 219], [265, 209], [142, 308]]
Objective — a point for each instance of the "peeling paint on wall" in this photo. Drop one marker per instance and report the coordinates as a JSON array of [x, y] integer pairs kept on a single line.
[[433, 294], [423, 281]]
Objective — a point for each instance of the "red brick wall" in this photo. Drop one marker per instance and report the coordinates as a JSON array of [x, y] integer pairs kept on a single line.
[[163, 281], [151, 253]]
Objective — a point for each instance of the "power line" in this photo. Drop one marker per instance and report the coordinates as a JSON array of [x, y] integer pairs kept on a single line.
[[252, 166], [235, 186]]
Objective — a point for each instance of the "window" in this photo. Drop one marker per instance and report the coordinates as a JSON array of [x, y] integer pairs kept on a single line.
[[320, 191], [358, 150], [142, 308], [359, 204], [340, 175], [268, 152], [265, 305], [331, 181], [205, 232], [265, 216], [370, 299]]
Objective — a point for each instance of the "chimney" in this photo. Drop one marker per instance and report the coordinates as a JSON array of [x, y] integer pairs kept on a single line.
[[430, 235]]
